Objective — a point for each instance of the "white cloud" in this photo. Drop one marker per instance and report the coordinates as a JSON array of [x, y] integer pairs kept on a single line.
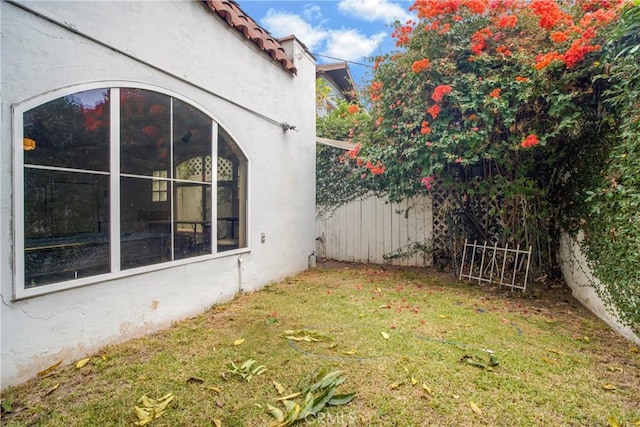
[[350, 45], [312, 12], [281, 24], [375, 10]]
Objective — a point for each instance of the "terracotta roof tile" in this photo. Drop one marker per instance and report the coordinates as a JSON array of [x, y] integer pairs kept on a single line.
[[236, 18]]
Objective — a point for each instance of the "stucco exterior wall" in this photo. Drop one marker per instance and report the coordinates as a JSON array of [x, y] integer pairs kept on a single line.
[[580, 279], [182, 48]]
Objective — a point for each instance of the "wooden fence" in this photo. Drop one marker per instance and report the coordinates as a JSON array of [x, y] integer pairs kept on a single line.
[[375, 231]]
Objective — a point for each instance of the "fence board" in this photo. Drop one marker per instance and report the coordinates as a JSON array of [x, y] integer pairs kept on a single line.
[[367, 230]]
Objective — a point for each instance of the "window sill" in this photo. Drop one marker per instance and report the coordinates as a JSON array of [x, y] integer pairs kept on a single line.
[[21, 294]]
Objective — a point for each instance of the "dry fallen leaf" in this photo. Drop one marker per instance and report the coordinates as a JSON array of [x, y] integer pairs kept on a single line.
[[217, 422], [151, 408], [414, 381], [426, 388], [396, 385], [288, 397], [238, 342], [82, 362], [278, 387], [49, 369], [51, 390], [384, 335], [216, 389], [475, 408], [608, 387]]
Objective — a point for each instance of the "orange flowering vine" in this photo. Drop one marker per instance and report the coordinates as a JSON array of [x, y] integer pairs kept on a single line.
[[434, 110], [375, 89], [377, 169], [559, 36], [440, 91], [479, 40], [420, 65], [495, 93], [530, 141], [507, 21], [353, 153], [542, 61], [353, 109]]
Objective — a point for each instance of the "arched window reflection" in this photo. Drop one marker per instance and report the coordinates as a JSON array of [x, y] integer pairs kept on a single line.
[[167, 166]]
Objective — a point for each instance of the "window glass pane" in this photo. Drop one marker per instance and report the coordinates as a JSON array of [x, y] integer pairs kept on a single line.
[[192, 142], [145, 225], [193, 220], [71, 132], [231, 203], [144, 131], [66, 226]]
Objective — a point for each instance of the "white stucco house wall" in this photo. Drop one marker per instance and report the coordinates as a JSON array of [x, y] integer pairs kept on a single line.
[[156, 158], [579, 277]]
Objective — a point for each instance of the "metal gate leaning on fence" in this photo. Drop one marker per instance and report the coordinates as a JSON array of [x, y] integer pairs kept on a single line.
[[493, 264]]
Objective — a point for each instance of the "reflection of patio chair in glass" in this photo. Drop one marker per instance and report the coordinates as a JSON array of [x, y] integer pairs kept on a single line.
[[226, 236], [184, 244]]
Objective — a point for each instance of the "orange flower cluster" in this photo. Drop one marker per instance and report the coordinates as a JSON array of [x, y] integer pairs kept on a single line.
[[402, 34], [440, 91], [428, 9], [376, 64], [522, 79], [353, 109], [507, 21], [479, 40], [530, 141], [420, 65], [475, 6], [374, 90], [559, 36], [353, 153], [495, 93], [434, 110], [549, 13], [543, 61], [425, 129], [377, 169], [577, 51], [503, 50]]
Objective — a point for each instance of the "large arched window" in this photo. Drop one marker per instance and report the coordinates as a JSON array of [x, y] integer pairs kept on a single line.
[[116, 179]]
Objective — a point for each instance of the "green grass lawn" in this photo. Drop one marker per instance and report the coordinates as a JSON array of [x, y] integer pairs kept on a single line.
[[418, 348]]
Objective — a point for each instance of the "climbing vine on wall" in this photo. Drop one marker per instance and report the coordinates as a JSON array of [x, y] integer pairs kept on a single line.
[[337, 182], [606, 195]]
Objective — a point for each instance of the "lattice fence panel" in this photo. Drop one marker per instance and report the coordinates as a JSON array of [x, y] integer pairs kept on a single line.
[[225, 169], [451, 225], [442, 207]]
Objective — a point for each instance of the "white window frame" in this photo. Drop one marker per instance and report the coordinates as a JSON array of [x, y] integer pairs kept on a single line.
[[18, 110]]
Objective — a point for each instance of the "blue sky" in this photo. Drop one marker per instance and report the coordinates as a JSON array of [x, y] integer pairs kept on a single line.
[[347, 30]]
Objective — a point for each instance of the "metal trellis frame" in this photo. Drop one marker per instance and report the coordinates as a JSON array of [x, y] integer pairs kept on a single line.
[[503, 266]]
